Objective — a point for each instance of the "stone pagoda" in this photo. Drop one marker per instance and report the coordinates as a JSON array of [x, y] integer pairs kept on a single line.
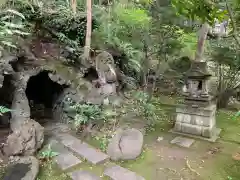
[[196, 117]]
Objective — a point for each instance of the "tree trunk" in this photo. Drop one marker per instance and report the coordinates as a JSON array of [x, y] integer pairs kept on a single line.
[[154, 81], [223, 99], [89, 30], [145, 66], [201, 41], [74, 6]]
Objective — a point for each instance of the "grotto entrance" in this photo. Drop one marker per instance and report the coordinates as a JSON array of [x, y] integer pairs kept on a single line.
[[42, 93]]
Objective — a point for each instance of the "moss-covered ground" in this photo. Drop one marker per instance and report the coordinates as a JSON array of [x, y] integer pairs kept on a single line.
[[162, 160]]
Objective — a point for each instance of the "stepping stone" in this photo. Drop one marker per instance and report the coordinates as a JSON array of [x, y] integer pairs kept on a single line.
[[66, 161], [83, 175], [67, 139], [83, 149], [120, 173], [56, 146], [182, 141]]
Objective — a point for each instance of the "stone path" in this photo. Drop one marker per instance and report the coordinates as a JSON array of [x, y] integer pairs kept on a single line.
[[71, 150], [82, 149]]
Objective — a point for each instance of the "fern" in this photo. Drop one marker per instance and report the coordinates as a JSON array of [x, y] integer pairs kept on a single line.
[[10, 25], [4, 110], [118, 28]]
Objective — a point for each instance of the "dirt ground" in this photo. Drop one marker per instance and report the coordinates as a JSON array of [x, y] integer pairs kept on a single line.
[[201, 161]]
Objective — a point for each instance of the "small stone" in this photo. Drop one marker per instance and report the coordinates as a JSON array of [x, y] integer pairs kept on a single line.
[[182, 141], [159, 139], [83, 175], [106, 101]]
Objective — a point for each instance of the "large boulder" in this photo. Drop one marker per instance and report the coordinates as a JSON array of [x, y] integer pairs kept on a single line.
[[26, 140], [125, 145], [24, 168]]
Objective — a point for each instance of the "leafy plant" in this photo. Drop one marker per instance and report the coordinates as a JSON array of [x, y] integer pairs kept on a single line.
[[237, 115], [205, 11], [3, 110], [48, 153], [103, 142], [10, 25], [86, 113], [122, 26], [146, 108]]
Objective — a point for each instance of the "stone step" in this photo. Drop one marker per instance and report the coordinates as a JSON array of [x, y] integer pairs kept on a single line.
[[65, 159], [120, 173], [83, 175], [83, 149]]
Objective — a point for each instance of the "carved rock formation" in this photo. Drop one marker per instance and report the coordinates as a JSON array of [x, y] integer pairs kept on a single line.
[[26, 140]]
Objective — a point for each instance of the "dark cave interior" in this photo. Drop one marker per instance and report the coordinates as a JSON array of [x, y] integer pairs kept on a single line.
[[6, 94], [42, 92], [91, 74]]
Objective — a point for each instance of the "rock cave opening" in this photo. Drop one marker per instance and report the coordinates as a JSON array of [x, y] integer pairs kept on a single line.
[[91, 74], [42, 93]]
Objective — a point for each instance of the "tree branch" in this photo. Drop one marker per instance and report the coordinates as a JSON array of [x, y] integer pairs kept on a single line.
[[233, 23]]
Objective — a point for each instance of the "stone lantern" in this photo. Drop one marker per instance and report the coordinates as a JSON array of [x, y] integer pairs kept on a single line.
[[196, 116]]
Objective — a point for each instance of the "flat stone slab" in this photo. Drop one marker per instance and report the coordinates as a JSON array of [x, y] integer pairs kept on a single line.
[[120, 173], [83, 175], [182, 141], [84, 150], [66, 161]]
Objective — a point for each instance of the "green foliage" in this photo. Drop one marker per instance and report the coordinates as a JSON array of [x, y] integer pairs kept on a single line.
[[122, 27], [189, 41], [103, 142], [226, 52], [10, 25], [203, 10], [57, 17], [145, 108], [48, 153], [237, 115], [167, 39], [86, 113], [180, 65], [3, 110], [132, 16]]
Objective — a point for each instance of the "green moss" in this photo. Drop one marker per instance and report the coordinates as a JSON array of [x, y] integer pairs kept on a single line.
[[222, 167], [2, 171], [142, 165], [230, 128], [95, 169], [50, 171]]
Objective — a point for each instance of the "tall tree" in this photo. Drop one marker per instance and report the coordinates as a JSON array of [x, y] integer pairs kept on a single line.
[[74, 6], [207, 12], [88, 31]]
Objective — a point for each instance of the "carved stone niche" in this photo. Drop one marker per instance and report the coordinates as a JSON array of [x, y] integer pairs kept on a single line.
[[196, 117]]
